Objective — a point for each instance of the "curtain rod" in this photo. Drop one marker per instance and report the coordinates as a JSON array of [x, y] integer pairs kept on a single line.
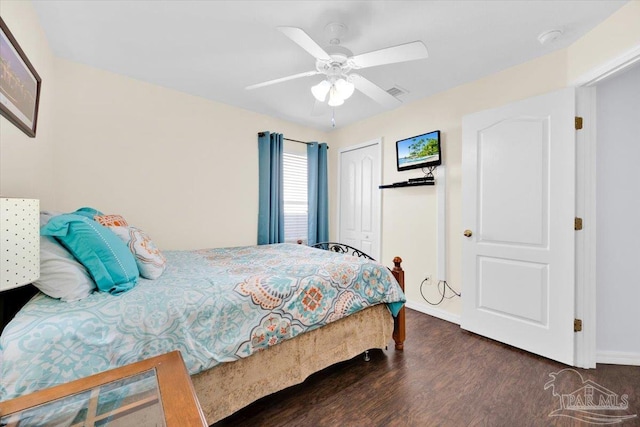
[[295, 140], [292, 140]]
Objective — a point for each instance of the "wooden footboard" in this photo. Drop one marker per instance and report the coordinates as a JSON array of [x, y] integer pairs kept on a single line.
[[399, 321]]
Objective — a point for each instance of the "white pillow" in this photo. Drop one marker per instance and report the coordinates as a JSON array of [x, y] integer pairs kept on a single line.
[[61, 276]]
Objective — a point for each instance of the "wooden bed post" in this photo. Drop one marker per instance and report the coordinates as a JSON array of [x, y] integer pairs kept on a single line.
[[399, 321]]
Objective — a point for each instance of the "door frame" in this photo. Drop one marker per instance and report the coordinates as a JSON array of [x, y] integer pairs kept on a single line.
[[378, 225], [586, 139]]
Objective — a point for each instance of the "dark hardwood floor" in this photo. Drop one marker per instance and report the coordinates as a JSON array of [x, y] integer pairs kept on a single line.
[[444, 377]]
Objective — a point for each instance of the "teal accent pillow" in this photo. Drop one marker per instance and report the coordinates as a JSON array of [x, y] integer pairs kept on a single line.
[[109, 261], [87, 212]]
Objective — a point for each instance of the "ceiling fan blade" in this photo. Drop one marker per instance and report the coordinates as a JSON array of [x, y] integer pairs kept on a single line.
[[283, 79], [390, 55], [305, 42], [374, 91]]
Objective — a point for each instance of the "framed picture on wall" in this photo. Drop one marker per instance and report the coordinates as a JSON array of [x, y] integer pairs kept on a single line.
[[19, 84]]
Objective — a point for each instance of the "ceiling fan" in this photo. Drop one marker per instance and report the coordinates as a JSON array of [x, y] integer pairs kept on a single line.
[[337, 64]]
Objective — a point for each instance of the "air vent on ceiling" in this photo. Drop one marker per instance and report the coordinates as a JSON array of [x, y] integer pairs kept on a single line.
[[396, 91]]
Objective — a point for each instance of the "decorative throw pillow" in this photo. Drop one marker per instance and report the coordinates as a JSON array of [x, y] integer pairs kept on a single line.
[[149, 259], [107, 259], [61, 276], [111, 220], [87, 212]]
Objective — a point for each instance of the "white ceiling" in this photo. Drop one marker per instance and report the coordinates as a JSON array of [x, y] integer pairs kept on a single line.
[[214, 49]]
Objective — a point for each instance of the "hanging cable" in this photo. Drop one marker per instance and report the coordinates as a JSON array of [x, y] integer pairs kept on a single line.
[[429, 172], [442, 292]]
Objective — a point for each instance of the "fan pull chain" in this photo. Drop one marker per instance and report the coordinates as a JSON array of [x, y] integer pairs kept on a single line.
[[333, 117]]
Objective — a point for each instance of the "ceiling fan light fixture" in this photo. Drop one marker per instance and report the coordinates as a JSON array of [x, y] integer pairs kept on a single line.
[[344, 88], [321, 90], [335, 100]]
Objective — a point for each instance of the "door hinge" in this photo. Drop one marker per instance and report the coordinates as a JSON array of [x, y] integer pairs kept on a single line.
[[578, 123], [577, 224], [577, 325]]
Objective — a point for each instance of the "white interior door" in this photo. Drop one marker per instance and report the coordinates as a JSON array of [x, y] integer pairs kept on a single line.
[[359, 209], [518, 166]]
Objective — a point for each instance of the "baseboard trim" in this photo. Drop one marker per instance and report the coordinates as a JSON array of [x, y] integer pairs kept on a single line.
[[618, 358], [434, 311]]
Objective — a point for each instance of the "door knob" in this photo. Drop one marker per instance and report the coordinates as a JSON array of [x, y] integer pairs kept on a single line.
[[468, 233]]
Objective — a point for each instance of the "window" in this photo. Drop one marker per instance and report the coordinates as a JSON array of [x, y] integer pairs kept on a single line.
[[294, 178]]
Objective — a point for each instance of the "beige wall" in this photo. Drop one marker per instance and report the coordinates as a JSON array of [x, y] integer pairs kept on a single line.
[[26, 164], [185, 169], [409, 215], [613, 37], [182, 168]]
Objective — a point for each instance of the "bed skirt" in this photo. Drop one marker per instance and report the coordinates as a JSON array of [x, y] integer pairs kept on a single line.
[[229, 387]]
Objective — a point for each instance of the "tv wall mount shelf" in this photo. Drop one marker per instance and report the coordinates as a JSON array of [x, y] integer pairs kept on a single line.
[[408, 184], [427, 179]]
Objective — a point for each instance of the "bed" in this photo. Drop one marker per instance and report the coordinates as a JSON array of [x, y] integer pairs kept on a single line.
[[277, 312]]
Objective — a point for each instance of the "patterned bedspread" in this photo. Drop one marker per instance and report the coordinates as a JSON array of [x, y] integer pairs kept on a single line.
[[214, 305]]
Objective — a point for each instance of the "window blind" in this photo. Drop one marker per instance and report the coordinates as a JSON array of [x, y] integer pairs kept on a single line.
[[294, 176]]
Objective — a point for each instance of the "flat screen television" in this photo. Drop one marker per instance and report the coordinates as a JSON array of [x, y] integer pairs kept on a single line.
[[419, 151]]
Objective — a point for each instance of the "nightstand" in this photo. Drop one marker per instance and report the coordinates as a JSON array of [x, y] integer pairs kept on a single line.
[[152, 392]]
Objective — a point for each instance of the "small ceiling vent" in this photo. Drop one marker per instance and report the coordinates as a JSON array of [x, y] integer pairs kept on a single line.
[[396, 91]]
